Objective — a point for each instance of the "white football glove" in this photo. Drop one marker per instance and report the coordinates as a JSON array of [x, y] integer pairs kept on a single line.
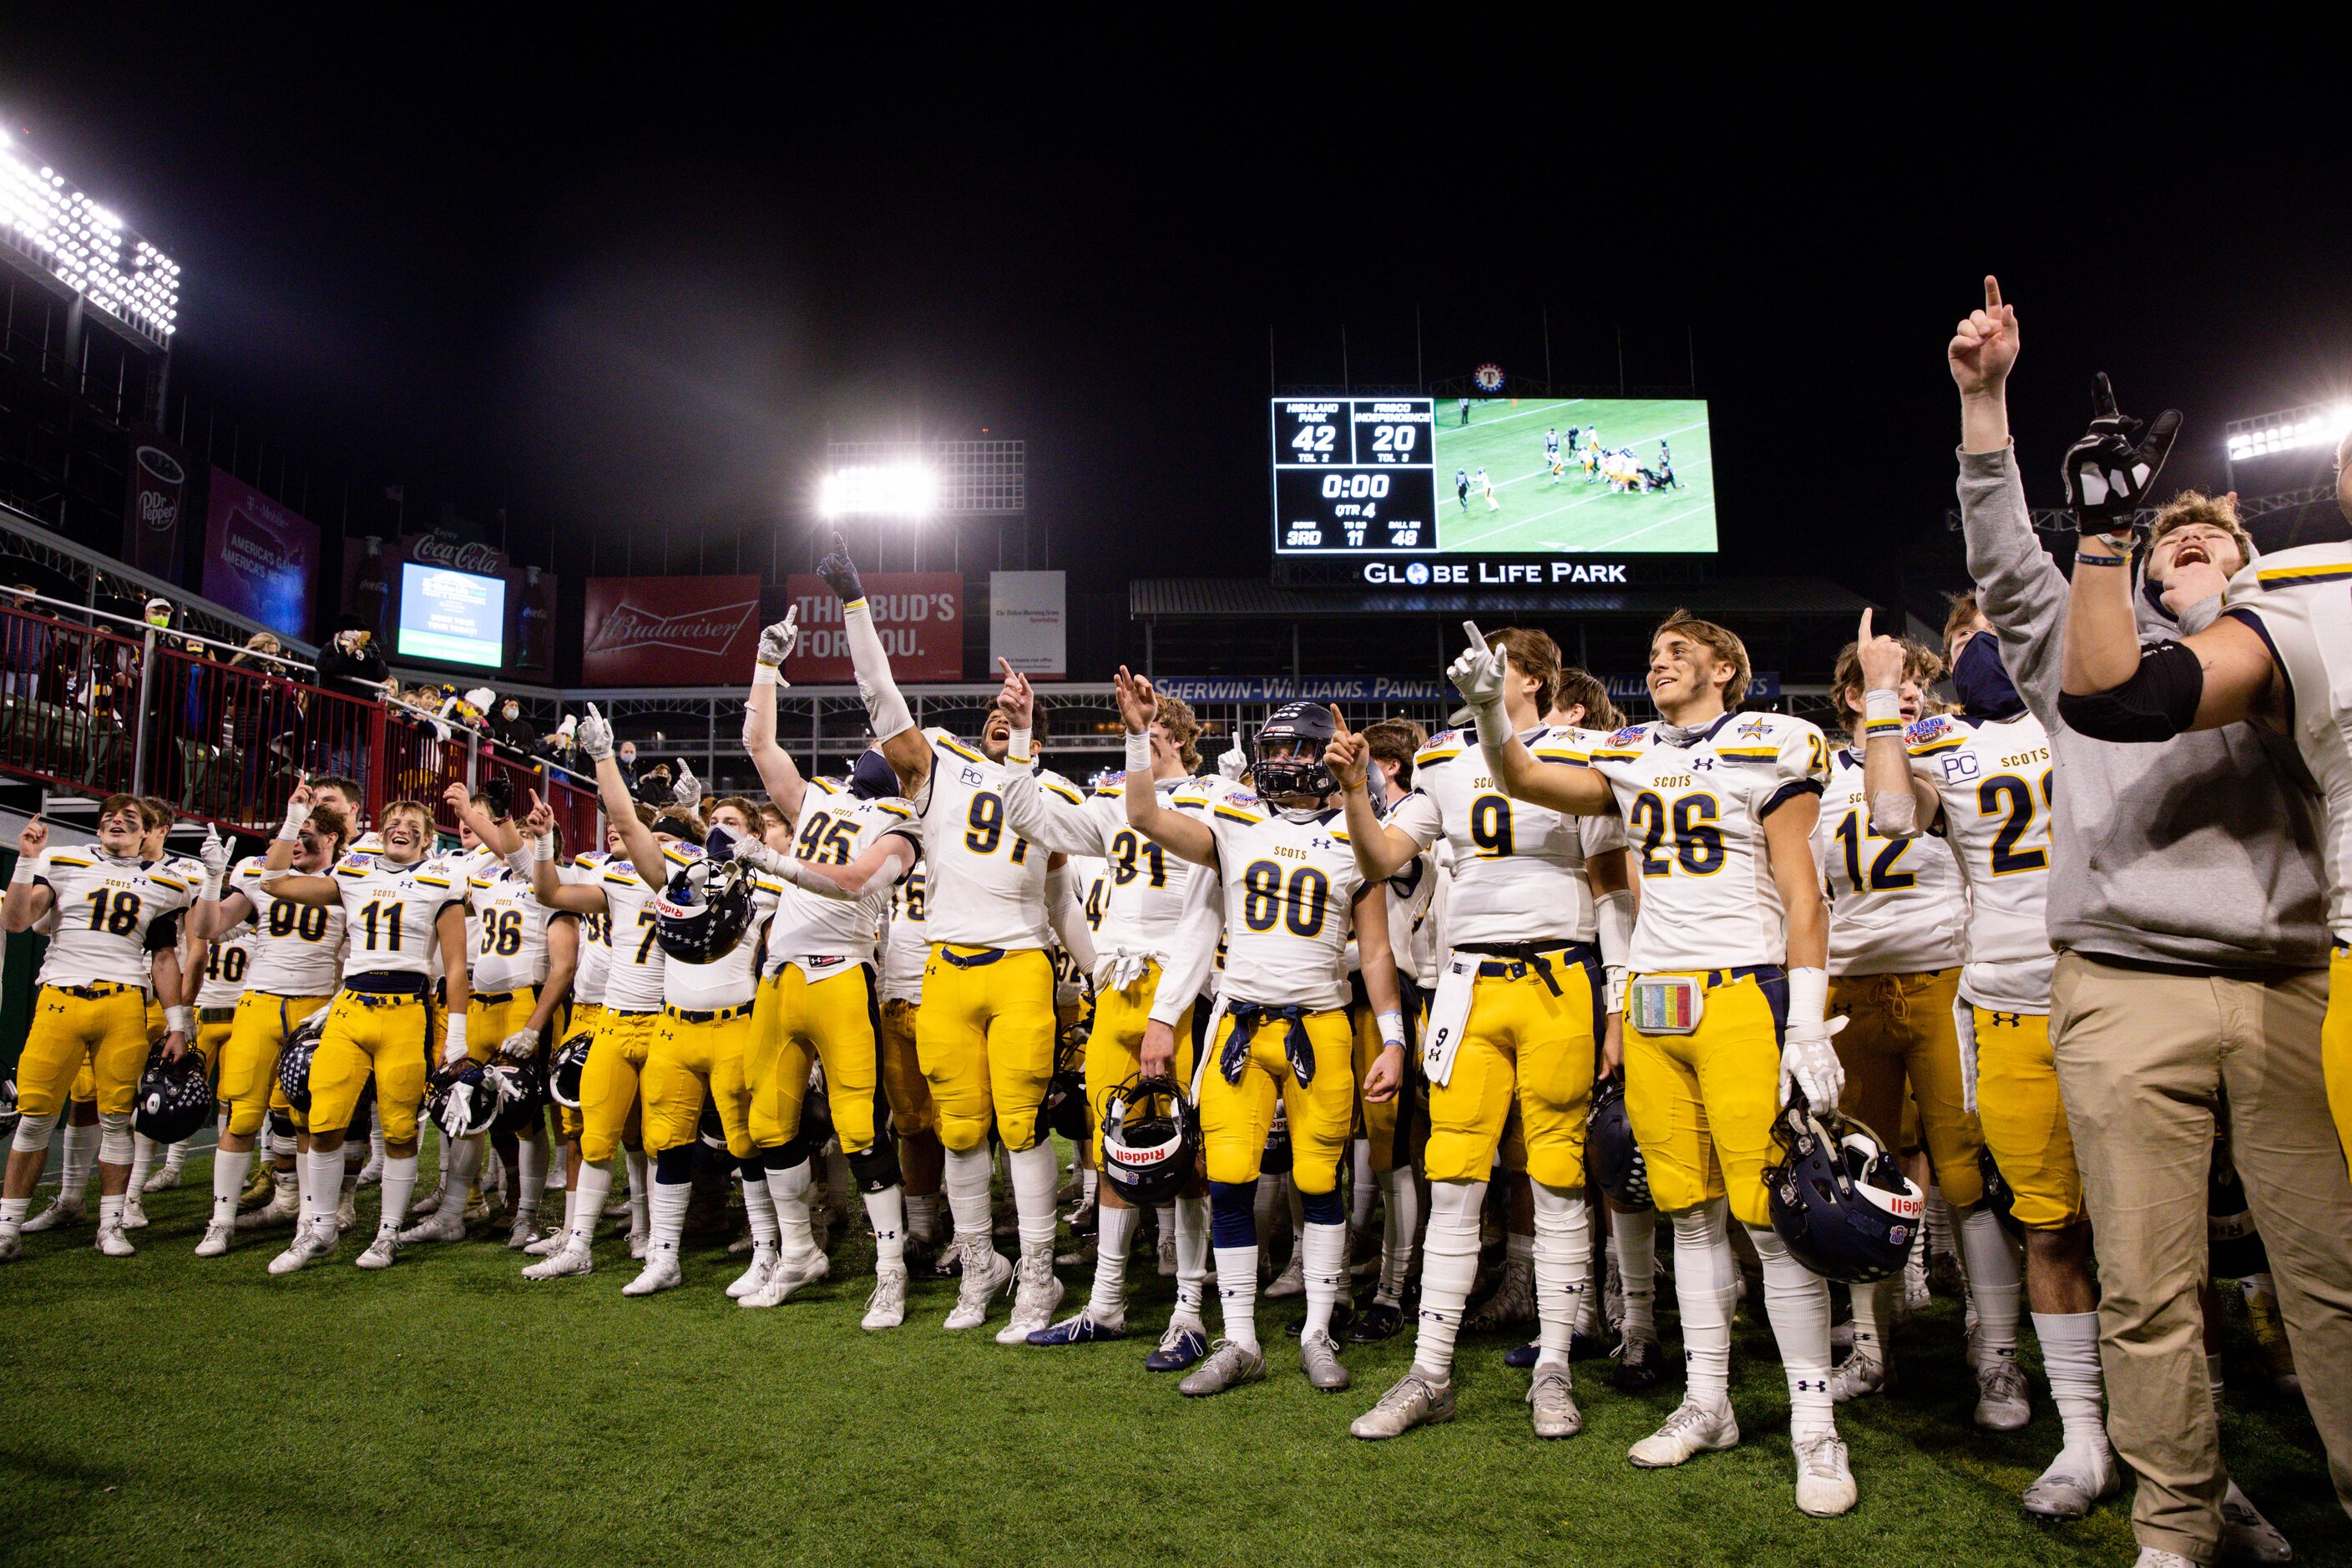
[[595, 736], [777, 642], [520, 1047], [687, 791], [1478, 674], [1233, 762], [453, 1043], [1807, 1057], [213, 852], [1964, 1023]]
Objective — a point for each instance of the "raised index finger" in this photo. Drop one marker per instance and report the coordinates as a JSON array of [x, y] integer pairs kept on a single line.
[[1338, 724], [1862, 635], [1478, 639], [1992, 295]]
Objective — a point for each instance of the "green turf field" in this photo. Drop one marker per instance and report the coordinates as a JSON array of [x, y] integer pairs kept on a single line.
[[1505, 436], [164, 1410]]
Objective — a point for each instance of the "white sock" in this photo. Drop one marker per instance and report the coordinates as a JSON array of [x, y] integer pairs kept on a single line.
[[1237, 1293], [585, 1203], [1033, 1195], [1398, 1220], [640, 1217], [109, 1209], [320, 1178], [2213, 1382], [1089, 1185], [230, 1168], [1192, 1256], [80, 1156], [399, 1186], [1325, 1249], [1520, 1253], [923, 1215], [2258, 1285], [1362, 1188], [353, 1165], [463, 1156], [885, 1210], [176, 1156], [1994, 1286], [967, 1192], [375, 1147], [1797, 1301], [788, 1193], [760, 1208], [666, 1215], [2069, 1358], [1939, 1221], [1870, 1318], [144, 1151], [1706, 1281], [1264, 1202], [11, 1212], [1634, 1246], [531, 1165], [1449, 1267], [1562, 1251], [1117, 1228]]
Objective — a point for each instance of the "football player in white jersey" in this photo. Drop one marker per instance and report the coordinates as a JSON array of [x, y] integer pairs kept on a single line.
[[1516, 1024], [1292, 897], [818, 1001], [222, 963], [296, 965], [344, 795], [987, 1029], [1143, 908], [1984, 775], [1728, 978], [117, 940], [400, 909], [154, 1166], [906, 948], [1898, 922]]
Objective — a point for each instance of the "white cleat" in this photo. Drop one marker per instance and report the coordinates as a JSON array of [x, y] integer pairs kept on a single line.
[[639, 1240], [2002, 1402], [521, 1235], [216, 1239], [1292, 1280], [1860, 1374], [58, 1214], [1826, 1486], [549, 1245], [2246, 1535], [284, 1207], [134, 1213], [748, 1283], [371, 1173], [571, 1258], [2149, 1557], [1038, 1292], [311, 1244], [165, 1179], [347, 1211], [886, 1308], [1412, 1401], [661, 1272], [985, 1272], [1552, 1404], [2073, 1484], [438, 1226], [783, 1280], [381, 1251], [11, 1247], [1693, 1430], [111, 1242], [1513, 1302]]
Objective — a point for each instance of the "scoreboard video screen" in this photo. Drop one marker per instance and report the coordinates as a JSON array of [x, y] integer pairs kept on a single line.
[[1386, 476]]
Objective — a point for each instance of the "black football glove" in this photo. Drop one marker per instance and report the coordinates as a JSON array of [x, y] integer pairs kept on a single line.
[[840, 573], [2110, 472]]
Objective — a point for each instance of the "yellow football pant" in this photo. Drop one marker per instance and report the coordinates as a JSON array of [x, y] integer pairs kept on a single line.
[[488, 1023], [903, 1084], [1237, 1117], [1899, 1027], [393, 1037], [985, 1038], [1522, 1048], [1703, 1104], [691, 1058], [2024, 1119], [1115, 1048], [796, 1020], [248, 1063], [104, 1036], [586, 1018], [608, 1082], [2336, 1048]]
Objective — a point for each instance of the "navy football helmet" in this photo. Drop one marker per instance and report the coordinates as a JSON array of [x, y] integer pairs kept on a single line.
[[522, 1091], [1302, 729], [1063, 1108], [175, 1098], [564, 1069], [1612, 1160], [294, 1061], [1998, 1197], [9, 1114], [1150, 1141], [464, 1100], [704, 912], [1838, 1199]]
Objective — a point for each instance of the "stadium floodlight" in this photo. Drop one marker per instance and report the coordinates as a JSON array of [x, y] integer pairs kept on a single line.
[[86, 247], [884, 490], [2315, 424]]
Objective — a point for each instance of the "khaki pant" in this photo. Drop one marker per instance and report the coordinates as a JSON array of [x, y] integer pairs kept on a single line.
[[2144, 1059]]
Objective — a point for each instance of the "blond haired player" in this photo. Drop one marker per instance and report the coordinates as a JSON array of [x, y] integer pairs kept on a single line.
[[117, 940], [1729, 984]]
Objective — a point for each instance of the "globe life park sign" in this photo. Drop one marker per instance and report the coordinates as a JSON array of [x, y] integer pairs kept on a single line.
[[1494, 573]]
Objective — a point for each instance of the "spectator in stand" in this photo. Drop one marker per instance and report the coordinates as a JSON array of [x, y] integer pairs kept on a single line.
[[350, 666], [257, 715], [27, 646], [509, 728], [627, 757]]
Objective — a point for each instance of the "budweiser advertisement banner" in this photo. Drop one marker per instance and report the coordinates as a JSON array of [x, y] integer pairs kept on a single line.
[[670, 631], [158, 500], [261, 558], [918, 614]]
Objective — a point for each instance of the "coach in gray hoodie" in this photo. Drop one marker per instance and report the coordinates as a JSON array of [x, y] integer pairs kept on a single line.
[[2188, 913]]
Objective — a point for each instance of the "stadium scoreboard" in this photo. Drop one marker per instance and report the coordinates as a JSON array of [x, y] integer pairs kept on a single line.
[[1354, 476]]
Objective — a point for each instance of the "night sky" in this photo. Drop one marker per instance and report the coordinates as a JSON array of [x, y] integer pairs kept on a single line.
[[648, 284]]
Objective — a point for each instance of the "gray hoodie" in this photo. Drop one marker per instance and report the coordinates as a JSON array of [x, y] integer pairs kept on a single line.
[[2197, 854]]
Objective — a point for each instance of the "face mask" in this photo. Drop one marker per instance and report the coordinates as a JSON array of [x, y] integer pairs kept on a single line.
[[511, 712], [1983, 684]]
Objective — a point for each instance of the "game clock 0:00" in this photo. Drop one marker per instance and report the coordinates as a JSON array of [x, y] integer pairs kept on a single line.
[[1354, 476]]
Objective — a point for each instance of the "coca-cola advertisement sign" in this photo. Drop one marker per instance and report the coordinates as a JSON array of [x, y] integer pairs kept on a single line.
[[474, 555], [156, 504], [918, 614], [669, 631]]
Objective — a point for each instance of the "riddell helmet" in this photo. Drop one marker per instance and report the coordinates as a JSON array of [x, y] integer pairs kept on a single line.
[[1150, 1141], [1303, 730], [8, 1112], [175, 1098], [1612, 1160], [294, 1062], [522, 1091], [565, 1071], [1839, 1199], [1998, 1197], [464, 1100], [2232, 1242], [1063, 1108], [704, 912]]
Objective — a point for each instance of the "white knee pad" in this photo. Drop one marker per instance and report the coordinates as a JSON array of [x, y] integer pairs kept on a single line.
[[32, 1134], [114, 1138]]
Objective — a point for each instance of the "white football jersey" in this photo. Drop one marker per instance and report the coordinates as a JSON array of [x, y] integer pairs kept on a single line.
[[728, 981], [227, 959], [1141, 908], [1518, 869], [298, 949], [390, 912], [987, 882], [1428, 947], [633, 984], [1694, 818], [595, 931], [1896, 905], [113, 916], [835, 828], [1287, 885], [2296, 600], [1993, 780], [510, 926], [907, 946]]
